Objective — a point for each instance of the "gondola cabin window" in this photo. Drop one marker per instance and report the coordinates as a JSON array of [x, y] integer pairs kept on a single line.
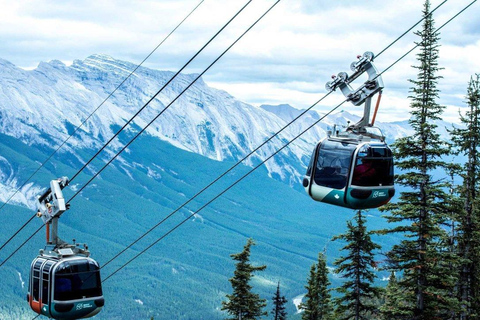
[[77, 280], [36, 280], [333, 163], [373, 167]]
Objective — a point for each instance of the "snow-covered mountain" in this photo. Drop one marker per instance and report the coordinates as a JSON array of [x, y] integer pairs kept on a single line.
[[44, 106]]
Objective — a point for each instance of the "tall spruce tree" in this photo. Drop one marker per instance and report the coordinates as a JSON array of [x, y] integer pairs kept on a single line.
[[393, 307], [243, 303], [358, 293], [467, 142], [279, 302], [423, 256], [317, 305], [311, 305]]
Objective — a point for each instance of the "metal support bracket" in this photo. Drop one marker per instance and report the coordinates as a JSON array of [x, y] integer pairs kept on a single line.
[[52, 203], [50, 207], [363, 94], [370, 87]]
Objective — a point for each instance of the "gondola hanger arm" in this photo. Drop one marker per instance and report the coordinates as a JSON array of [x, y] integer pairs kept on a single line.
[[51, 205], [52, 202], [363, 94]]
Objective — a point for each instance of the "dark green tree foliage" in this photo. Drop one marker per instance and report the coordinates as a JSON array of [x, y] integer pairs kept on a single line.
[[393, 307], [279, 301], [317, 305], [356, 266], [311, 305], [243, 303], [467, 142], [423, 256]]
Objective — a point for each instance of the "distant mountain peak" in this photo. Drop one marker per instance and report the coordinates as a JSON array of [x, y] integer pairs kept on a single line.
[[284, 111], [282, 106], [4, 62], [105, 63], [101, 56]]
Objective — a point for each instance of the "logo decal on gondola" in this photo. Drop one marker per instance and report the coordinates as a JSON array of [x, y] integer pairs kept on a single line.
[[377, 194], [337, 196], [81, 306]]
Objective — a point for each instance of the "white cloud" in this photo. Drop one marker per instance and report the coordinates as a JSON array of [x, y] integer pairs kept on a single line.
[[286, 58]]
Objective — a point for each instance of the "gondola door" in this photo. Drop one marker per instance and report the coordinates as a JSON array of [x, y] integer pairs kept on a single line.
[[33, 296], [39, 295]]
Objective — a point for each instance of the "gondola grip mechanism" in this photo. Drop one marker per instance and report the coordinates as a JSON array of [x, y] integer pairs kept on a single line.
[[52, 203]]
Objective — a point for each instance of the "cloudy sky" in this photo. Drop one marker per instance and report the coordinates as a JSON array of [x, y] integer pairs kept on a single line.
[[287, 58]]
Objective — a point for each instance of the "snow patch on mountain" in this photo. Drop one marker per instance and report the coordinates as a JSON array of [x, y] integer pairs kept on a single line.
[[297, 302], [13, 191], [22, 283]]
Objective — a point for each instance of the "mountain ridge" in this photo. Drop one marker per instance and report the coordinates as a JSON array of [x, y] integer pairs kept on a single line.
[[43, 106]]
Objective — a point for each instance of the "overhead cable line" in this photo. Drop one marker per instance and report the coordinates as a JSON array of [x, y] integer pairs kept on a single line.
[[168, 106], [214, 181], [292, 139], [410, 29], [84, 121], [153, 98], [268, 158], [20, 229], [244, 158], [220, 194], [20, 246]]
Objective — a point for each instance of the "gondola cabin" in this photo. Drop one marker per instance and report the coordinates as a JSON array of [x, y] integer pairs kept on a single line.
[[351, 173], [65, 287]]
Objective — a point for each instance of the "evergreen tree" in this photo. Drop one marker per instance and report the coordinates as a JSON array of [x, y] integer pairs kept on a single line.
[[279, 301], [423, 256], [394, 306], [243, 303], [357, 267], [310, 306], [317, 304], [467, 142]]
